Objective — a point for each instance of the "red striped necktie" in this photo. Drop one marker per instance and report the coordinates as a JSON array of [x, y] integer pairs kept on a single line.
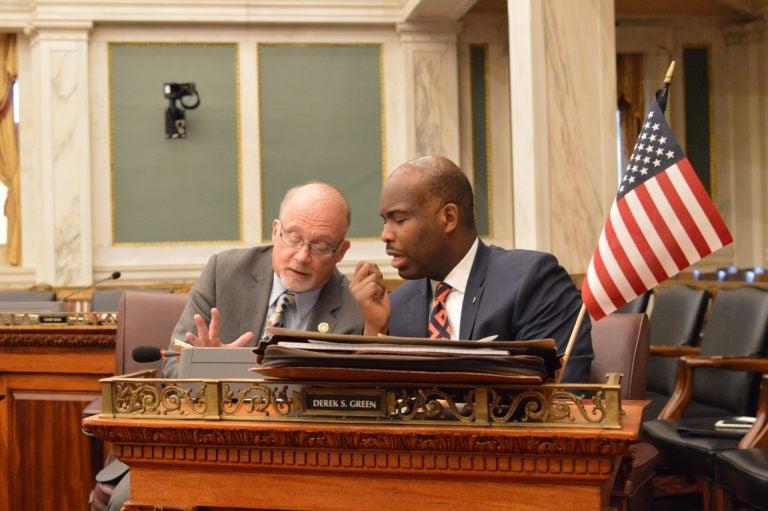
[[438, 320]]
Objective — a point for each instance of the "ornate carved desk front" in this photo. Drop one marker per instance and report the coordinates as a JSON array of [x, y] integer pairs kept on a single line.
[[48, 374], [202, 464]]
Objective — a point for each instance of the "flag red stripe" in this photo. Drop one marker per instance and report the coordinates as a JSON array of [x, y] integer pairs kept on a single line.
[[661, 227], [647, 253], [681, 210], [604, 276], [589, 301], [620, 255], [705, 201]]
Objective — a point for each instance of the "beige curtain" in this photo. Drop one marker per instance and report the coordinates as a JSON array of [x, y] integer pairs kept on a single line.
[[9, 151], [629, 76]]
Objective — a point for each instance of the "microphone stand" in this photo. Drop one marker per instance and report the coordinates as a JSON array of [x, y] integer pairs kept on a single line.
[[112, 276]]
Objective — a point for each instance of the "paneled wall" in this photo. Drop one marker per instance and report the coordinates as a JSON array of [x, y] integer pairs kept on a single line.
[[737, 109], [311, 90]]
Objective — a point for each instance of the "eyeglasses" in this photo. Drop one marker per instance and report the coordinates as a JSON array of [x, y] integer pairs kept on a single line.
[[318, 249]]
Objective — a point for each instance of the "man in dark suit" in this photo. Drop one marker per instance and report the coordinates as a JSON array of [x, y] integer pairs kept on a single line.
[[429, 231], [238, 289]]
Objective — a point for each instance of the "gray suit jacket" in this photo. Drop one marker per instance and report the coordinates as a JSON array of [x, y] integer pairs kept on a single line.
[[238, 282], [515, 294]]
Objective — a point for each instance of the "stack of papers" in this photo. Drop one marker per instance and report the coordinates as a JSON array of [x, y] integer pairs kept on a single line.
[[311, 355]]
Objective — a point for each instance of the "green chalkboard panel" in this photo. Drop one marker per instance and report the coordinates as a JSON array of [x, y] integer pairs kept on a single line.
[[698, 129], [478, 61], [321, 120], [174, 190]]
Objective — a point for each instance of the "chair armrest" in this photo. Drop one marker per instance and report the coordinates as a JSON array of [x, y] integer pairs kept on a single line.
[[678, 402], [757, 436], [674, 351]]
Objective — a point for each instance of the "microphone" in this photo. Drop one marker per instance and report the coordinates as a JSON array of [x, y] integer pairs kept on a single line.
[[143, 354], [112, 276]]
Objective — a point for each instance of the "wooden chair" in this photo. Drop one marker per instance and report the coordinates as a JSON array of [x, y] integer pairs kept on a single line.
[[676, 321], [144, 318], [737, 327], [743, 472], [698, 447], [27, 296], [639, 304], [726, 384], [620, 343]]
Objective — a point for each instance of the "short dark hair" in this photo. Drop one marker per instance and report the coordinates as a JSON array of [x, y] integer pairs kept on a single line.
[[446, 182]]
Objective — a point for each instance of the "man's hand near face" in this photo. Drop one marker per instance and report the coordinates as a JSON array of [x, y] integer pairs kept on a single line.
[[367, 286]]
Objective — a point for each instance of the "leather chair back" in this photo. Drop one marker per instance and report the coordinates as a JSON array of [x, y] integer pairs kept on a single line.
[[737, 326], [639, 304], [27, 296], [676, 320], [108, 300], [621, 345], [145, 318]]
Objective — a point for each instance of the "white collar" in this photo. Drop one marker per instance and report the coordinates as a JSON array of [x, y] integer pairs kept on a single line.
[[458, 277]]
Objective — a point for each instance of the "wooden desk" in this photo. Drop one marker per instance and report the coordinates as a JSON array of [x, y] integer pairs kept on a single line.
[[48, 374], [183, 464]]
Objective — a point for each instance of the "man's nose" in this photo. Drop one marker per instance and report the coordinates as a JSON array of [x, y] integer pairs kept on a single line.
[[386, 234], [303, 253]]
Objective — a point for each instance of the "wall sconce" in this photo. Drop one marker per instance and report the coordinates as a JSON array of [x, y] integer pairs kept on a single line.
[[175, 119]]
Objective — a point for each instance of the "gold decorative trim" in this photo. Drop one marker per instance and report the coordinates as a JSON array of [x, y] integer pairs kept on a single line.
[[75, 339], [236, 46], [140, 395], [400, 450]]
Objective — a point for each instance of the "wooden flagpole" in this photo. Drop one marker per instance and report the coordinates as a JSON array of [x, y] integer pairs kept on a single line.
[[583, 311], [571, 340]]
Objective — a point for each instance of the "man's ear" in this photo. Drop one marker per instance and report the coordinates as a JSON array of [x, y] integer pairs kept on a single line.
[[450, 217], [275, 226], [343, 247]]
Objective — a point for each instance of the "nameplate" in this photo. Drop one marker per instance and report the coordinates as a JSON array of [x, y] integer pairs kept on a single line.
[[53, 319], [344, 402]]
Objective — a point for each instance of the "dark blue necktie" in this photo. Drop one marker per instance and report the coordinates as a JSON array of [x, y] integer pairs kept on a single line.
[[438, 320]]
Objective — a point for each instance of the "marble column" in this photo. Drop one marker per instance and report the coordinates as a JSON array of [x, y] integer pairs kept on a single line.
[[63, 164], [563, 111], [431, 88], [740, 191]]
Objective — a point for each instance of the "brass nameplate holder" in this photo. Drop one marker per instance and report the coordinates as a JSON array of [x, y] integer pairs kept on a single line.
[[58, 318], [141, 395]]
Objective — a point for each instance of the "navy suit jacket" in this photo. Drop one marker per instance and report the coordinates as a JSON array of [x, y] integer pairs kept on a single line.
[[515, 294]]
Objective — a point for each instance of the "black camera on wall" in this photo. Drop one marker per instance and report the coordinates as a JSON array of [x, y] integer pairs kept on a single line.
[[175, 117]]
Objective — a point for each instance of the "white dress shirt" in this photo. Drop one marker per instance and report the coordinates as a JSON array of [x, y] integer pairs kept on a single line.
[[457, 279]]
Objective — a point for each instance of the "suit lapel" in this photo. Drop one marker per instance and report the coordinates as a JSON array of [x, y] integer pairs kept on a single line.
[[474, 293], [327, 304], [258, 291]]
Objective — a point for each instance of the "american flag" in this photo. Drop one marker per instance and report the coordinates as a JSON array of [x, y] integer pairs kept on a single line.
[[661, 222]]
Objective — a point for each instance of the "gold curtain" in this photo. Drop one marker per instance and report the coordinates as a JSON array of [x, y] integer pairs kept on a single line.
[[9, 151], [629, 76]]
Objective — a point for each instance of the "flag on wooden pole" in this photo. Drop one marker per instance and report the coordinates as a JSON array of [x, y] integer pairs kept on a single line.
[[661, 222]]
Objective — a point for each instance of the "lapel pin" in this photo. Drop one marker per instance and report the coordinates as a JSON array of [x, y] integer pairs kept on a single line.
[[323, 327], [474, 299]]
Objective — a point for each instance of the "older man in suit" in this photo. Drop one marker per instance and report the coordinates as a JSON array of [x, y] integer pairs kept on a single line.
[[459, 287], [239, 289]]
